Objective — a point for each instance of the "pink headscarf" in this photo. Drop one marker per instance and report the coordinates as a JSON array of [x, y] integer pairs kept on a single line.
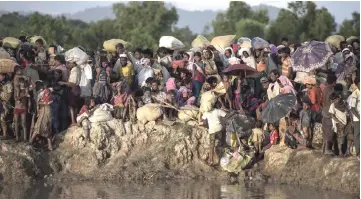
[[170, 85], [287, 85]]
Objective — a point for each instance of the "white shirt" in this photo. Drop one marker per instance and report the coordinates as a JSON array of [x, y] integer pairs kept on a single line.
[[213, 118], [273, 90], [341, 116], [354, 102], [75, 75]]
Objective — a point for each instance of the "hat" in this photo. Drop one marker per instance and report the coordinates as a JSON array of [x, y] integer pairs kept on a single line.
[[123, 56], [264, 80], [280, 47]]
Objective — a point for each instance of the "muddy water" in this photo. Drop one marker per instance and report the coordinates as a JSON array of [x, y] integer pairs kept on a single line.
[[171, 190]]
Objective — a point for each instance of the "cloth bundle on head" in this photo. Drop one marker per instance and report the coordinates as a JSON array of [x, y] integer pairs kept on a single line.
[[310, 80], [123, 56]]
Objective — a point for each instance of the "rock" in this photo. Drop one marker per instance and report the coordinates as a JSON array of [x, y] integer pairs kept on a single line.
[[310, 167]]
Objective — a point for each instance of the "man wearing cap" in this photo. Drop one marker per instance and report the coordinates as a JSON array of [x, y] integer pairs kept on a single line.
[[125, 69], [271, 88]]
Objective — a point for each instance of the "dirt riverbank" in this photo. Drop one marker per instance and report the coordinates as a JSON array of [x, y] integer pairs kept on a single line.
[[134, 152]]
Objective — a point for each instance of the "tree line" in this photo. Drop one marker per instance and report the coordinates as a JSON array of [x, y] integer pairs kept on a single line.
[[143, 23]]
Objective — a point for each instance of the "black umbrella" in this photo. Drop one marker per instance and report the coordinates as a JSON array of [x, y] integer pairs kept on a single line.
[[278, 107]]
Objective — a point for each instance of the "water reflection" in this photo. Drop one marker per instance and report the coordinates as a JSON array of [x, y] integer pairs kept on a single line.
[[172, 190]]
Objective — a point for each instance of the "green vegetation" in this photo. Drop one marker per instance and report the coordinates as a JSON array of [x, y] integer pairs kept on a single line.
[[143, 23]]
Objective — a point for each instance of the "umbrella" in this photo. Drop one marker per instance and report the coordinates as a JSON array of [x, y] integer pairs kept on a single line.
[[238, 68], [259, 43], [335, 40], [311, 56], [244, 42], [278, 107]]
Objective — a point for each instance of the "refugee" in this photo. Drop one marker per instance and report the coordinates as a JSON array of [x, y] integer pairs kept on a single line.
[[305, 122], [215, 128], [43, 125], [273, 137], [338, 111], [257, 137], [22, 105]]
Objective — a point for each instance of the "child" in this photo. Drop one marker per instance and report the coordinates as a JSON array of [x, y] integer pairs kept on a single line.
[[83, 116], [274, 137], [22, 104], [170, 113], [214, 127], [43, 125], [305, 122], [40, 51], [338, 110], [119, 101], [146, 98], [228, 88], [257, 137]]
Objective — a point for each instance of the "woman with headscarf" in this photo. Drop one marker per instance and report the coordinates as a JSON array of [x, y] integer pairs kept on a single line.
[[286, 85], [346, 68], [209, 65], [229, 58], [247, 57]]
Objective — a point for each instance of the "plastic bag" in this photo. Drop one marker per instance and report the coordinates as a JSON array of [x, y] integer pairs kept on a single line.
[[208, 100], [102, 114], [171, 43], [11, 42], [222, 42], [7, 65], [76, 55], [4, 54], [34, 38], [187, 113], [149, 112], [200, 42], [109, 45]]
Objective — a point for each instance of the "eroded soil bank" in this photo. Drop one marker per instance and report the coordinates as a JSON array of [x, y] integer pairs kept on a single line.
[[133, 152]]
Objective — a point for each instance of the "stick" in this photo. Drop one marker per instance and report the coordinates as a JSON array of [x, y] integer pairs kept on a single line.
[[173, 107]]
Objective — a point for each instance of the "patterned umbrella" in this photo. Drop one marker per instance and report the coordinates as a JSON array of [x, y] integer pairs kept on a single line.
[[311, 56], [278, 107], [259, 43]]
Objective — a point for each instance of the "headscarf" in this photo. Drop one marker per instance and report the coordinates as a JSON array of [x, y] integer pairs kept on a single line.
[[249, 61], [232, 60], [274, 49], [287, 85]]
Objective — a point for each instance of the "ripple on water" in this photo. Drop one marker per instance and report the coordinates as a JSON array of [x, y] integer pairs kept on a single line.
[[165, 190]]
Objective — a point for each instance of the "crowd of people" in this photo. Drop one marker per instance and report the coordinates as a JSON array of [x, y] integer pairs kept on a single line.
[[45, 90]]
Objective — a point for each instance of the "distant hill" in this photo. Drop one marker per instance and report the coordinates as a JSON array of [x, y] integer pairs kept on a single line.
[[186, 18]]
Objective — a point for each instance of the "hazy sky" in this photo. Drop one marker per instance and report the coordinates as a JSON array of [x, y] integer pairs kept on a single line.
[[340, 9]]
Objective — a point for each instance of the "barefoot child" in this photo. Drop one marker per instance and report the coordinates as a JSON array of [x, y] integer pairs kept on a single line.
[[273, 137], [43, 125], [257, 137], [22, 103]]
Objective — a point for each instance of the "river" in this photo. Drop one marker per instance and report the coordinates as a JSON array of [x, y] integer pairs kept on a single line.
[[165, 190]]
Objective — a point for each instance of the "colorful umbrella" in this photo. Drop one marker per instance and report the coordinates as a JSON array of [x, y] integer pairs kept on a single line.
[[259, 43], [335, 40], [278, 107], [236, 69], [311, 56]]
